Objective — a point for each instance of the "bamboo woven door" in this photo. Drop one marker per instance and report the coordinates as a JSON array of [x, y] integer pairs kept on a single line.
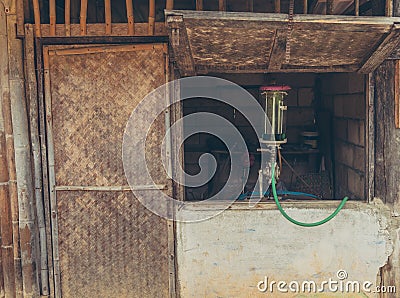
[[104, 242]]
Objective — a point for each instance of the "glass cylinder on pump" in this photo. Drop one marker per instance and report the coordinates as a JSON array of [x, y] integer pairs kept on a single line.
[[275, 112]]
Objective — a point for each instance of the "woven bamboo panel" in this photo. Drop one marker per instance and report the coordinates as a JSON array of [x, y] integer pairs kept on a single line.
[[109, 244], [92, 99]]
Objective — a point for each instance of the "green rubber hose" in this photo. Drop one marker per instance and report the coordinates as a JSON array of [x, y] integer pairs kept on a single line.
[[303, 224]]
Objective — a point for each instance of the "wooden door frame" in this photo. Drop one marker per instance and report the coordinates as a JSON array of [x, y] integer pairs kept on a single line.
[[47, 156]]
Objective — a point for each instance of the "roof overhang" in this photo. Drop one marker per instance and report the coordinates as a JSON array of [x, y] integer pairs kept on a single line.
[[232, 42]]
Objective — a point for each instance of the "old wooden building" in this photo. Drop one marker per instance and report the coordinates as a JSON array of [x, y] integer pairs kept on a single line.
[[71, 72]]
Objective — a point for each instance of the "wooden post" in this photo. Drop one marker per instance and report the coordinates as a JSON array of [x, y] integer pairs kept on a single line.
[[305, 6], [397, 94], [356, 7], [152, 16], [67, 17], [36, 12], [169, 5], [83, 17], [277, 6], [329, 7], [199, 5], [52, 17], [107, 13], [7, 166], [222, 5], [130, 17]]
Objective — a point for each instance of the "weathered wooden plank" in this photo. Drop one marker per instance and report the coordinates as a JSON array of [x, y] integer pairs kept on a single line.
[[329, 7], [370, 137], [199, 4], [382, 52], [356, 7], [169, 5], [305, 6], [222, 5], [389, 8], [20, 16], [36, 12], [180, 45]]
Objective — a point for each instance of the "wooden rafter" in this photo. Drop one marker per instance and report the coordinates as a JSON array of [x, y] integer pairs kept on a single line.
[[388, 45], [180, 45]]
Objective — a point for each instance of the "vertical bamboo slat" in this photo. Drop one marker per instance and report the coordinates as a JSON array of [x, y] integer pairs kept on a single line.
[[277, 6], [199, 5], [20, 17], [32, 102], [67, 17], [107, 13], [357, 7], [170, 5], [52, 179], [23, 165], [6, 166], [222, 5], [389, 8], [152, 16], [52, 17], [36, 13], [130, 17], [83, 17], [305, 6]]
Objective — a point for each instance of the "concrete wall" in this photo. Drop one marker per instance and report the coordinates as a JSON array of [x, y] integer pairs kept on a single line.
[[228, 255], [344, 96]]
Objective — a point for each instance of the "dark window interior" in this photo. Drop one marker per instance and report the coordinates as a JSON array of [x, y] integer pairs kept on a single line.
[[330, 105]]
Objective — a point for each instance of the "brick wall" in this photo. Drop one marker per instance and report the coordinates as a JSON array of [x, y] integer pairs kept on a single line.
[[344, 96]]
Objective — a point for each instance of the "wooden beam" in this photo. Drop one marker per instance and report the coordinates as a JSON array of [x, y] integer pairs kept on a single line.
[[130, 17], [222, 5], [107, 14], [152, 16], [199, 4], [67, 17], [53, 21], [277, 57], [36, 12], [169, 5], [83, 16], [305, 6], [277, 6], [382, 52], [180, 45], [228, 68]]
